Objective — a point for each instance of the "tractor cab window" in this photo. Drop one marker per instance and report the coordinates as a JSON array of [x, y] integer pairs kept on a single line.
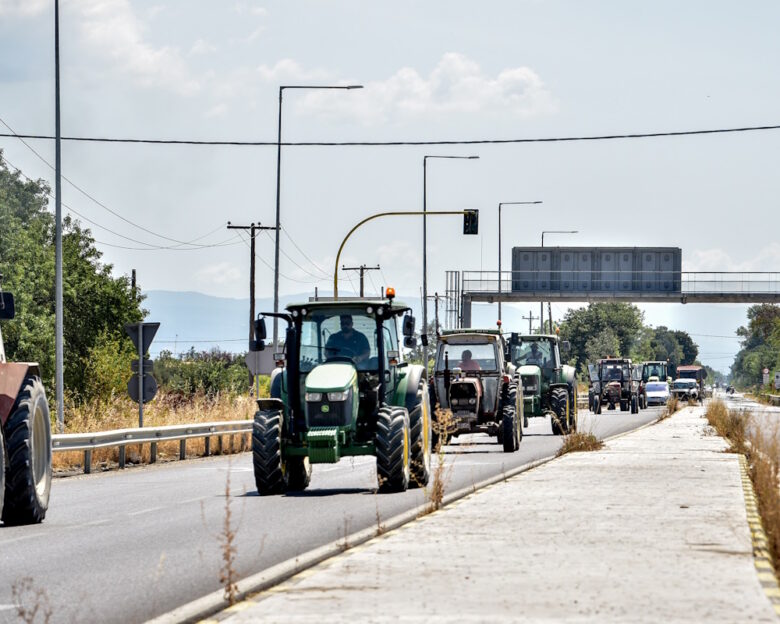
[[654, 370], [468, 357], [346, 335], [535, 352], [612, 372]]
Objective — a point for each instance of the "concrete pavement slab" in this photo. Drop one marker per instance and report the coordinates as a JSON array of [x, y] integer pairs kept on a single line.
[[651, 528]]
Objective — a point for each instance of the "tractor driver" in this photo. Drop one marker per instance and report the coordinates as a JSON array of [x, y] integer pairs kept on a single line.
[[535, 357], [467, 363], [348, 342]]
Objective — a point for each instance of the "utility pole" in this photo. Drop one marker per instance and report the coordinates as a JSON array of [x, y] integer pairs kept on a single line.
[[436, 297], [549, 316], [59, 344], [253, 229], [362, 268], [531, 318]]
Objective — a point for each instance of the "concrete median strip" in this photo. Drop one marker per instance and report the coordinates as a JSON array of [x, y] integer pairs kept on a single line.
[[653, 527]]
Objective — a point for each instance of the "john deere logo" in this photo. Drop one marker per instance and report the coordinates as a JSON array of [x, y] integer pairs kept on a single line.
[[325, 409]]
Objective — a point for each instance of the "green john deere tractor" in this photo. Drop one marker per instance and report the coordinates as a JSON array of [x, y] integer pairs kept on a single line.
[[549, 386], [343, 391]]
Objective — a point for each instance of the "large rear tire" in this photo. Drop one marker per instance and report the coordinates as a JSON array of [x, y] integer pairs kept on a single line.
[[634, 404], [573, 411], [28, 461], [559, 404], [511, 431], [270, 476], [597, 404], [420, 434], [392, 449], [2, 470]]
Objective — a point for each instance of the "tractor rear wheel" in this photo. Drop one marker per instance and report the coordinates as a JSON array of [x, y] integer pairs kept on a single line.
[[2, 470], [511, 431], [597, 404], [298, 471], [634, 405], [420, 434], [624, 406], [392, 449], [559, 403], [28, 461], [573, 411], [270, 476]]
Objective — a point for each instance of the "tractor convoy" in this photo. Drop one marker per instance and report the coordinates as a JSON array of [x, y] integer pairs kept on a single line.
[[25, 436]]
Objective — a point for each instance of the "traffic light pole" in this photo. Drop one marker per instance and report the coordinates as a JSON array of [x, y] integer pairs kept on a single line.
[[411, 213]]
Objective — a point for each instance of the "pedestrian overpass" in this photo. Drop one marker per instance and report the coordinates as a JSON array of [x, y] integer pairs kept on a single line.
[[463, 288]]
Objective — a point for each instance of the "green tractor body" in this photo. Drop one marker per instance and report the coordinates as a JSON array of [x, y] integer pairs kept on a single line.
[[343, 391], [549, 387]]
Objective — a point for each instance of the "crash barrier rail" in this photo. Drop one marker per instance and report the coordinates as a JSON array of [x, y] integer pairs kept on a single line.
[[88, 442], [691, 282]]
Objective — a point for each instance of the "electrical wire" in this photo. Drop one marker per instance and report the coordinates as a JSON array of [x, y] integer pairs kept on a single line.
[[597, 137], [303, 253], [319, 278], [149, 247], [263, 261], [101, 204]]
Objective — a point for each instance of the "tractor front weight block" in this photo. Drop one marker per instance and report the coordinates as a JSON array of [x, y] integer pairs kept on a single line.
[[324, 445]]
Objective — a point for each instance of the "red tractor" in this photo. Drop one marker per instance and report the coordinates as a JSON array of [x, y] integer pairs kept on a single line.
[[25, 437]]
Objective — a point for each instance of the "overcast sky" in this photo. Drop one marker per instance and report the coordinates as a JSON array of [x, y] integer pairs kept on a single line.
[[433, 70]]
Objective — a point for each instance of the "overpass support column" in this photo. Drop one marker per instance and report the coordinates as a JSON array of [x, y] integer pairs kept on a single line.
[[465, 311]]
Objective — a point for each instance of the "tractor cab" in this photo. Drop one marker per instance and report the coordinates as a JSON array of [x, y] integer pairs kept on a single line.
[[342, 390]]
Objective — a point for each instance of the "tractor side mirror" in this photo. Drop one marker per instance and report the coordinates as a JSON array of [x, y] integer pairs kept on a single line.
[[408, 326], [424, 340], [258, 344], [410, 342], [514, 338], [566, 346], [7, 309]]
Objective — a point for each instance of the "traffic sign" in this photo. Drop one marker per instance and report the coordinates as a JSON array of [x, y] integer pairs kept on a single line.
[[260, 362], [148, 366], [150, 388], [149, 330], [766, 376]]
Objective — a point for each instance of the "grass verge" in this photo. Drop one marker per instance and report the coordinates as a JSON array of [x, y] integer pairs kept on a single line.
[[762, 451], [672, 405], [579, 441]]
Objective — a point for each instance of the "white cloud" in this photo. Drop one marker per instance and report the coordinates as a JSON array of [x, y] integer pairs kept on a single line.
[[767, 259], [221, 274], [456, 85], [247, 7], [288, 70], [201, 46], [23, 8], [115, 33]]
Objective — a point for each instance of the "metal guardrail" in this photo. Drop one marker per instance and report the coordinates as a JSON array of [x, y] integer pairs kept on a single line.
[[88, 442]]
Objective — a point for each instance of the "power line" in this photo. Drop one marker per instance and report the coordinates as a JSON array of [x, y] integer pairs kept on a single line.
[[149, 246], [597, 137], [101, 204], [304, 269]]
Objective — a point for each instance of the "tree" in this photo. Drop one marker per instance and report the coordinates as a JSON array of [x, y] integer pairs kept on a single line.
[[760, 345], [604, 344], [690, 350], [96, 305], [580, 326]]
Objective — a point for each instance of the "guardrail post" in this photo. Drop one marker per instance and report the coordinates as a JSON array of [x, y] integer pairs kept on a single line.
[[219, 444], [207, 444], [183, 448], [87, 461], [122, 449], [153, 453]]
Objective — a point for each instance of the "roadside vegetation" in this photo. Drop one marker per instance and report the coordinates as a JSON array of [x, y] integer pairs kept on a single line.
[[672, 405], [579, 441], [762, 452]]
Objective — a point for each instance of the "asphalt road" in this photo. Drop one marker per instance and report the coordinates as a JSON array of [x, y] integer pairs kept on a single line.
[[127, 546]]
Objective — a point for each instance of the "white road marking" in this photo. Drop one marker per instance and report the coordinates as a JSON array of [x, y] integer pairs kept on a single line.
[[145, 511]]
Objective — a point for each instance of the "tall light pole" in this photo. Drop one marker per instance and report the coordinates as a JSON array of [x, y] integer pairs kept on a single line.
[[59, 360], [425, 249], [541, 303], [278, 191], [520, 203]]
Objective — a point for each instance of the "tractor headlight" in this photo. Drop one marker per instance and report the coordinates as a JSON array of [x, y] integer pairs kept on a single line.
[[454, 401], [314, 396], [338, 396], [472, 401]]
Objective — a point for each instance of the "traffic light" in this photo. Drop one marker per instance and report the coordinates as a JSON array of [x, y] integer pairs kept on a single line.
[[471, 222]]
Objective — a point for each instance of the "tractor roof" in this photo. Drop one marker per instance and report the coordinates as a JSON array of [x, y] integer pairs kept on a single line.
[[349, 302], [530, 337], [469, 330]]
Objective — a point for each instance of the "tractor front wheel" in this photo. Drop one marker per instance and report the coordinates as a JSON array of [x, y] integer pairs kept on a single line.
[[511, 431], [28, 462], [392, 449], [634, 405], [270, 476], [597, 405], [298, 471], [420, 433]]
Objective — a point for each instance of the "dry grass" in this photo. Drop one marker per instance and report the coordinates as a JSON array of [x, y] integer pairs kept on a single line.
[[729, 424], [31, 601], [672, 405], [579, 441], [227, 574], [444, 426], [762, 451], [120, 412]]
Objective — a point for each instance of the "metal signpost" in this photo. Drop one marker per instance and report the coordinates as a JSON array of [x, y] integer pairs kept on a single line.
[[765, 380], [142, 387]]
